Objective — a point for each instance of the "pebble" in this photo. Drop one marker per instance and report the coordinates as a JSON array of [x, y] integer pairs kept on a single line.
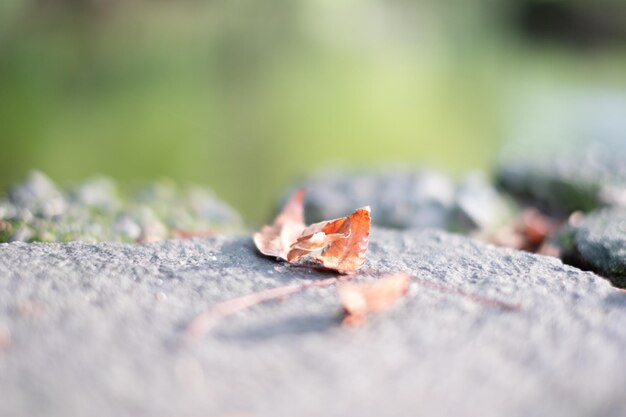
[[597, 241]]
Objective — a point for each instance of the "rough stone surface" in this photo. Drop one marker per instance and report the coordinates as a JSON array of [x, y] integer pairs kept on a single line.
[[598, 242], [568, 152], [97, 329], [407, 199], [38, 210]]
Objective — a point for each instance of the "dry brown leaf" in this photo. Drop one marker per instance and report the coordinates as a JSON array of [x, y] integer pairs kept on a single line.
[[338, 244], [531, 232], [536, 226], [360, 299], [275, 240]]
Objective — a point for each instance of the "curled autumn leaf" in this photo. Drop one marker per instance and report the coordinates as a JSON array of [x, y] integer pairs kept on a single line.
[[360, 299], [338, 244], [275, 240]]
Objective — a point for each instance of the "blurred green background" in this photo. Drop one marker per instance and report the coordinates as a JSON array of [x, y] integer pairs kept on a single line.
[[247, 95]]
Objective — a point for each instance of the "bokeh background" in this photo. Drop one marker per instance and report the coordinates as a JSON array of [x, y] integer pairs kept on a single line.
[[247, 95]]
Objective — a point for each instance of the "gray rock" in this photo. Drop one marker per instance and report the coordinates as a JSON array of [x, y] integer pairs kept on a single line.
[[23, 233], [407, 199], [568, 151], [187, 208], [478, 205], [127, 227], [98, 330], [98, 193], [203, 203], [7, 210], [94, 211], [598, 242], [152, 229], [37, 196]]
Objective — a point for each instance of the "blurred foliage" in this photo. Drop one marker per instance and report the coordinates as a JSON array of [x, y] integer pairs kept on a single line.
[[245, 96]]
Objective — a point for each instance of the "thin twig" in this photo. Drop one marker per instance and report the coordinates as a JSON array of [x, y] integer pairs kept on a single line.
[[203, 323]]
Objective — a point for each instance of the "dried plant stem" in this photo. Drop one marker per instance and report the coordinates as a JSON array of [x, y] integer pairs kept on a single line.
[[202, 323]]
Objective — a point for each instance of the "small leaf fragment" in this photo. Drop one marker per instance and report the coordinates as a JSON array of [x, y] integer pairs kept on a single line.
[[360, 299], [275, 240]]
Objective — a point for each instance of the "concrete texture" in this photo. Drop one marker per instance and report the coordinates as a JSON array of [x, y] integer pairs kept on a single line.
[[97, 330]]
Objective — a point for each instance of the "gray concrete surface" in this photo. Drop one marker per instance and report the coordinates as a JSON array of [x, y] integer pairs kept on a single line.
[[97, 330]]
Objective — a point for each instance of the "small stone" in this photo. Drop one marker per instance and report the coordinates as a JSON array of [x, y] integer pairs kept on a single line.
[[187, 210], [39, 195], [598, 241], [204, 204], [479, 205], [156, 193], [152, 230], [126, 227], [98, 192], [4, 210], [46, 236], [22, 234]]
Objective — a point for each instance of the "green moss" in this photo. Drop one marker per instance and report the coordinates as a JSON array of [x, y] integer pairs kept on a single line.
[[619, 270], [573, 195], [6, 230], [566, 240]]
